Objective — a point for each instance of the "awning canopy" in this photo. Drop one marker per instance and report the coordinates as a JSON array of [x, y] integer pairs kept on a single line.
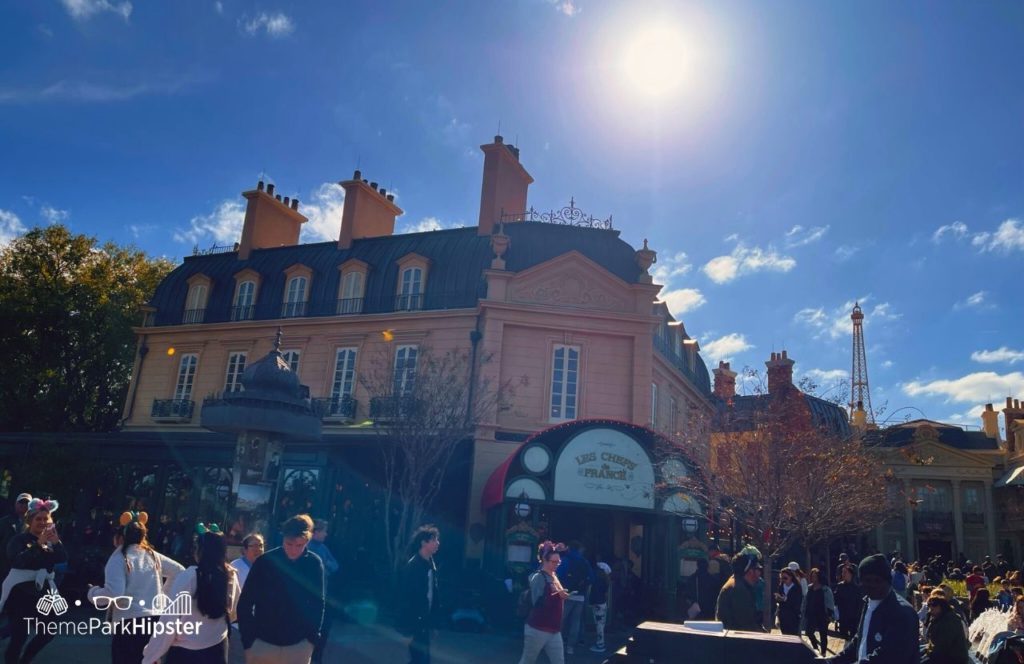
[[494, 489], [1013, 477]]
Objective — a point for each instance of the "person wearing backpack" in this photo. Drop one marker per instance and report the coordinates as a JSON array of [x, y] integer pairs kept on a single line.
[[543, 628], [577, 576]]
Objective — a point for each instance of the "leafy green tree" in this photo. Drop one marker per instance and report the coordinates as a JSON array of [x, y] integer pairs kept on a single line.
[[68, 305]]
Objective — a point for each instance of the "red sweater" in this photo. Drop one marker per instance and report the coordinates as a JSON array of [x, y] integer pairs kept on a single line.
[[547, 615]]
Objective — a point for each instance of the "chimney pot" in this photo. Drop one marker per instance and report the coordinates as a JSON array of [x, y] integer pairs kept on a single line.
[[259, 186], [357, 175], [1009, 402], [373, 185], [270, 189], [287, 201], [295, 204], [277, 196], [391, 197], [365, 181], [383, 191], [498, 138]]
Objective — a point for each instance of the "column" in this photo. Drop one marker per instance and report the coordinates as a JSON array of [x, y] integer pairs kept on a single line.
[[990, 520], [908, 518], [958, 520]]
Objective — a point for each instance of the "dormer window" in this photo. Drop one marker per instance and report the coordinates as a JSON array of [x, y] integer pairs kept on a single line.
[[195, 301], [245, 299], [412, 280], [296, 291], [352, 288]]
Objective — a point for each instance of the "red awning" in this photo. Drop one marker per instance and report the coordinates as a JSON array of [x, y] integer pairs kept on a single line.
[[494, 489]]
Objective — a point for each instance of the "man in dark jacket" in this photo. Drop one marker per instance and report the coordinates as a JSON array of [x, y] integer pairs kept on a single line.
[[419, 591], [282, 604], [888, 631], [736, 606]]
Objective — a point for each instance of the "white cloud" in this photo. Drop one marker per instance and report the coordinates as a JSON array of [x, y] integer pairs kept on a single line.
[[221, 226], [88, 92], [836, 323], [682, 300], [1001, 354], [424, 225], [218, 7], [566, 7], [845, 252], [978, 300], [669, 267], [887, 364], [10, 227], [725, 348], [978, 386], [54, 216], [747, 260], [972, 416], [81, 10], [324, 213], [827, 376], [1009, 236], [138, 230], [274, 25], [957, 230], [798, 236]]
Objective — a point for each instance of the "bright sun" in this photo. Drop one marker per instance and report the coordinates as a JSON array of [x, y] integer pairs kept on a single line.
[[656, 61]]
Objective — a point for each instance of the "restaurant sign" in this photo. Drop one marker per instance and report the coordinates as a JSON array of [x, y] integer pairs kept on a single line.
[[605, 467]]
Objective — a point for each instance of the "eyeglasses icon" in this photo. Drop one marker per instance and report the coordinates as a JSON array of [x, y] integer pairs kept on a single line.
[[121, 602]]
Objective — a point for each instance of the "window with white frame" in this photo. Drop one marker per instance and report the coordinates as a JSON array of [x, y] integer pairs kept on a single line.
[[186, 377], [195, 304], [291, 357], [351, 300], [295, 297], [344, 374], [244, 301], [233, 379], [405, 370], [654, 405], [564, 382], [411, 293]]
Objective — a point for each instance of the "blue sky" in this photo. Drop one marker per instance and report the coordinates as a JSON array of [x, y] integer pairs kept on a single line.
[[784, 158]]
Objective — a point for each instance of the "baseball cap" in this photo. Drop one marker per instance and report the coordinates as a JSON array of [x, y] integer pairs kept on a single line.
[[793, 567], [23, 496]]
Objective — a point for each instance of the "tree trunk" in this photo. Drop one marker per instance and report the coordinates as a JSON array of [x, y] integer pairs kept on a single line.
[[768, 593]]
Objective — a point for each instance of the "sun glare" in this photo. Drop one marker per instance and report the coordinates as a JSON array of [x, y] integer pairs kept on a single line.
[[656, 61]]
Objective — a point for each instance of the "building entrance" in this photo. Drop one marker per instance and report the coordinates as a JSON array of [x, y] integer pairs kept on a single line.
[[928, 548]]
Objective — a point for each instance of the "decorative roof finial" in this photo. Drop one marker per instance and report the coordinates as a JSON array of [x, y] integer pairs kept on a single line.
[[277, 340]]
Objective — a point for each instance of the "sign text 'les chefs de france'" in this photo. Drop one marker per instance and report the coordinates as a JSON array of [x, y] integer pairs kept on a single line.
[[605, 467]]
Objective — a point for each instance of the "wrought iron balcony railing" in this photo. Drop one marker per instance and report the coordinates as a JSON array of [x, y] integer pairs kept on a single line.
[[243, 312], [193, 316], [350, 305], [172, 410], [570, 215], [293, 309], [409, 302], [389, 409], [336, 408]]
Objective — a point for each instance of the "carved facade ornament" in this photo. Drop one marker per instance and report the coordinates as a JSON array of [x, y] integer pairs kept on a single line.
[[569, 288], [645, 258]]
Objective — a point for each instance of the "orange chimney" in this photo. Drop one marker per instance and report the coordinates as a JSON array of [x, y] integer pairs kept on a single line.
[[269, 222], [725, 382], [780, 372], [368, 211], [505, 184]]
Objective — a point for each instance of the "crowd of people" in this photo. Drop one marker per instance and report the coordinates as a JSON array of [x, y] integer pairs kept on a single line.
[[884, 609]]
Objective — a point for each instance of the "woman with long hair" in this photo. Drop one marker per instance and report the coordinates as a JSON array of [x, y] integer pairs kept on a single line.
[[818, 608], [132, 580], [944, 632], [543, 629], [849, 600], [981, 603], [213, 586], [33, 555], [790, 597], [1015, 623]]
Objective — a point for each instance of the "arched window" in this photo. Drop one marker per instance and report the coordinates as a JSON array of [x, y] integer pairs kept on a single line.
[[295, 298], [410, 295], [195, 304], [244, 301], [351, 300]]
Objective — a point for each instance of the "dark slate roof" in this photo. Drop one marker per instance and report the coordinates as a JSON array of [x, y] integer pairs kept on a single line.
[[901, 435], [824, 414], [459, 257]]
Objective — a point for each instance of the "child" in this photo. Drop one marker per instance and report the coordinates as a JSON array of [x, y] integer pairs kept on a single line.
[[599, 603]]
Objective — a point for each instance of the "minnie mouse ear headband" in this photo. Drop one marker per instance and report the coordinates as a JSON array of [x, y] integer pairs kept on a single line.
[[37, 505], [137, 517], [202, 528]]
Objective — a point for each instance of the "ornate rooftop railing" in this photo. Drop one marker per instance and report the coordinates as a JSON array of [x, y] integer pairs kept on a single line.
[[570, 215]]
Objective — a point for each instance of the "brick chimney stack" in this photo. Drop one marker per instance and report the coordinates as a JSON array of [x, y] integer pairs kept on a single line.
[[269, 222], [368, 211], [990, 422], [504, 186], [780, 373], [725, 382]]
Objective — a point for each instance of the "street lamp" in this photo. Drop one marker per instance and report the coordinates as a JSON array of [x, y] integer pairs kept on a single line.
[[522, 508], [689, 525]]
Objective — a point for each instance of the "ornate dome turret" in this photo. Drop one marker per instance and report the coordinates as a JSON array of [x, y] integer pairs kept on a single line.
[[271, 375]]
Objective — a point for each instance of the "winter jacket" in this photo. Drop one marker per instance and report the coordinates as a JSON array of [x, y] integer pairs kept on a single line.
[[947, 642], [419, 582], [736, 608], [818, 608], [892, 635], [790, 611]]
